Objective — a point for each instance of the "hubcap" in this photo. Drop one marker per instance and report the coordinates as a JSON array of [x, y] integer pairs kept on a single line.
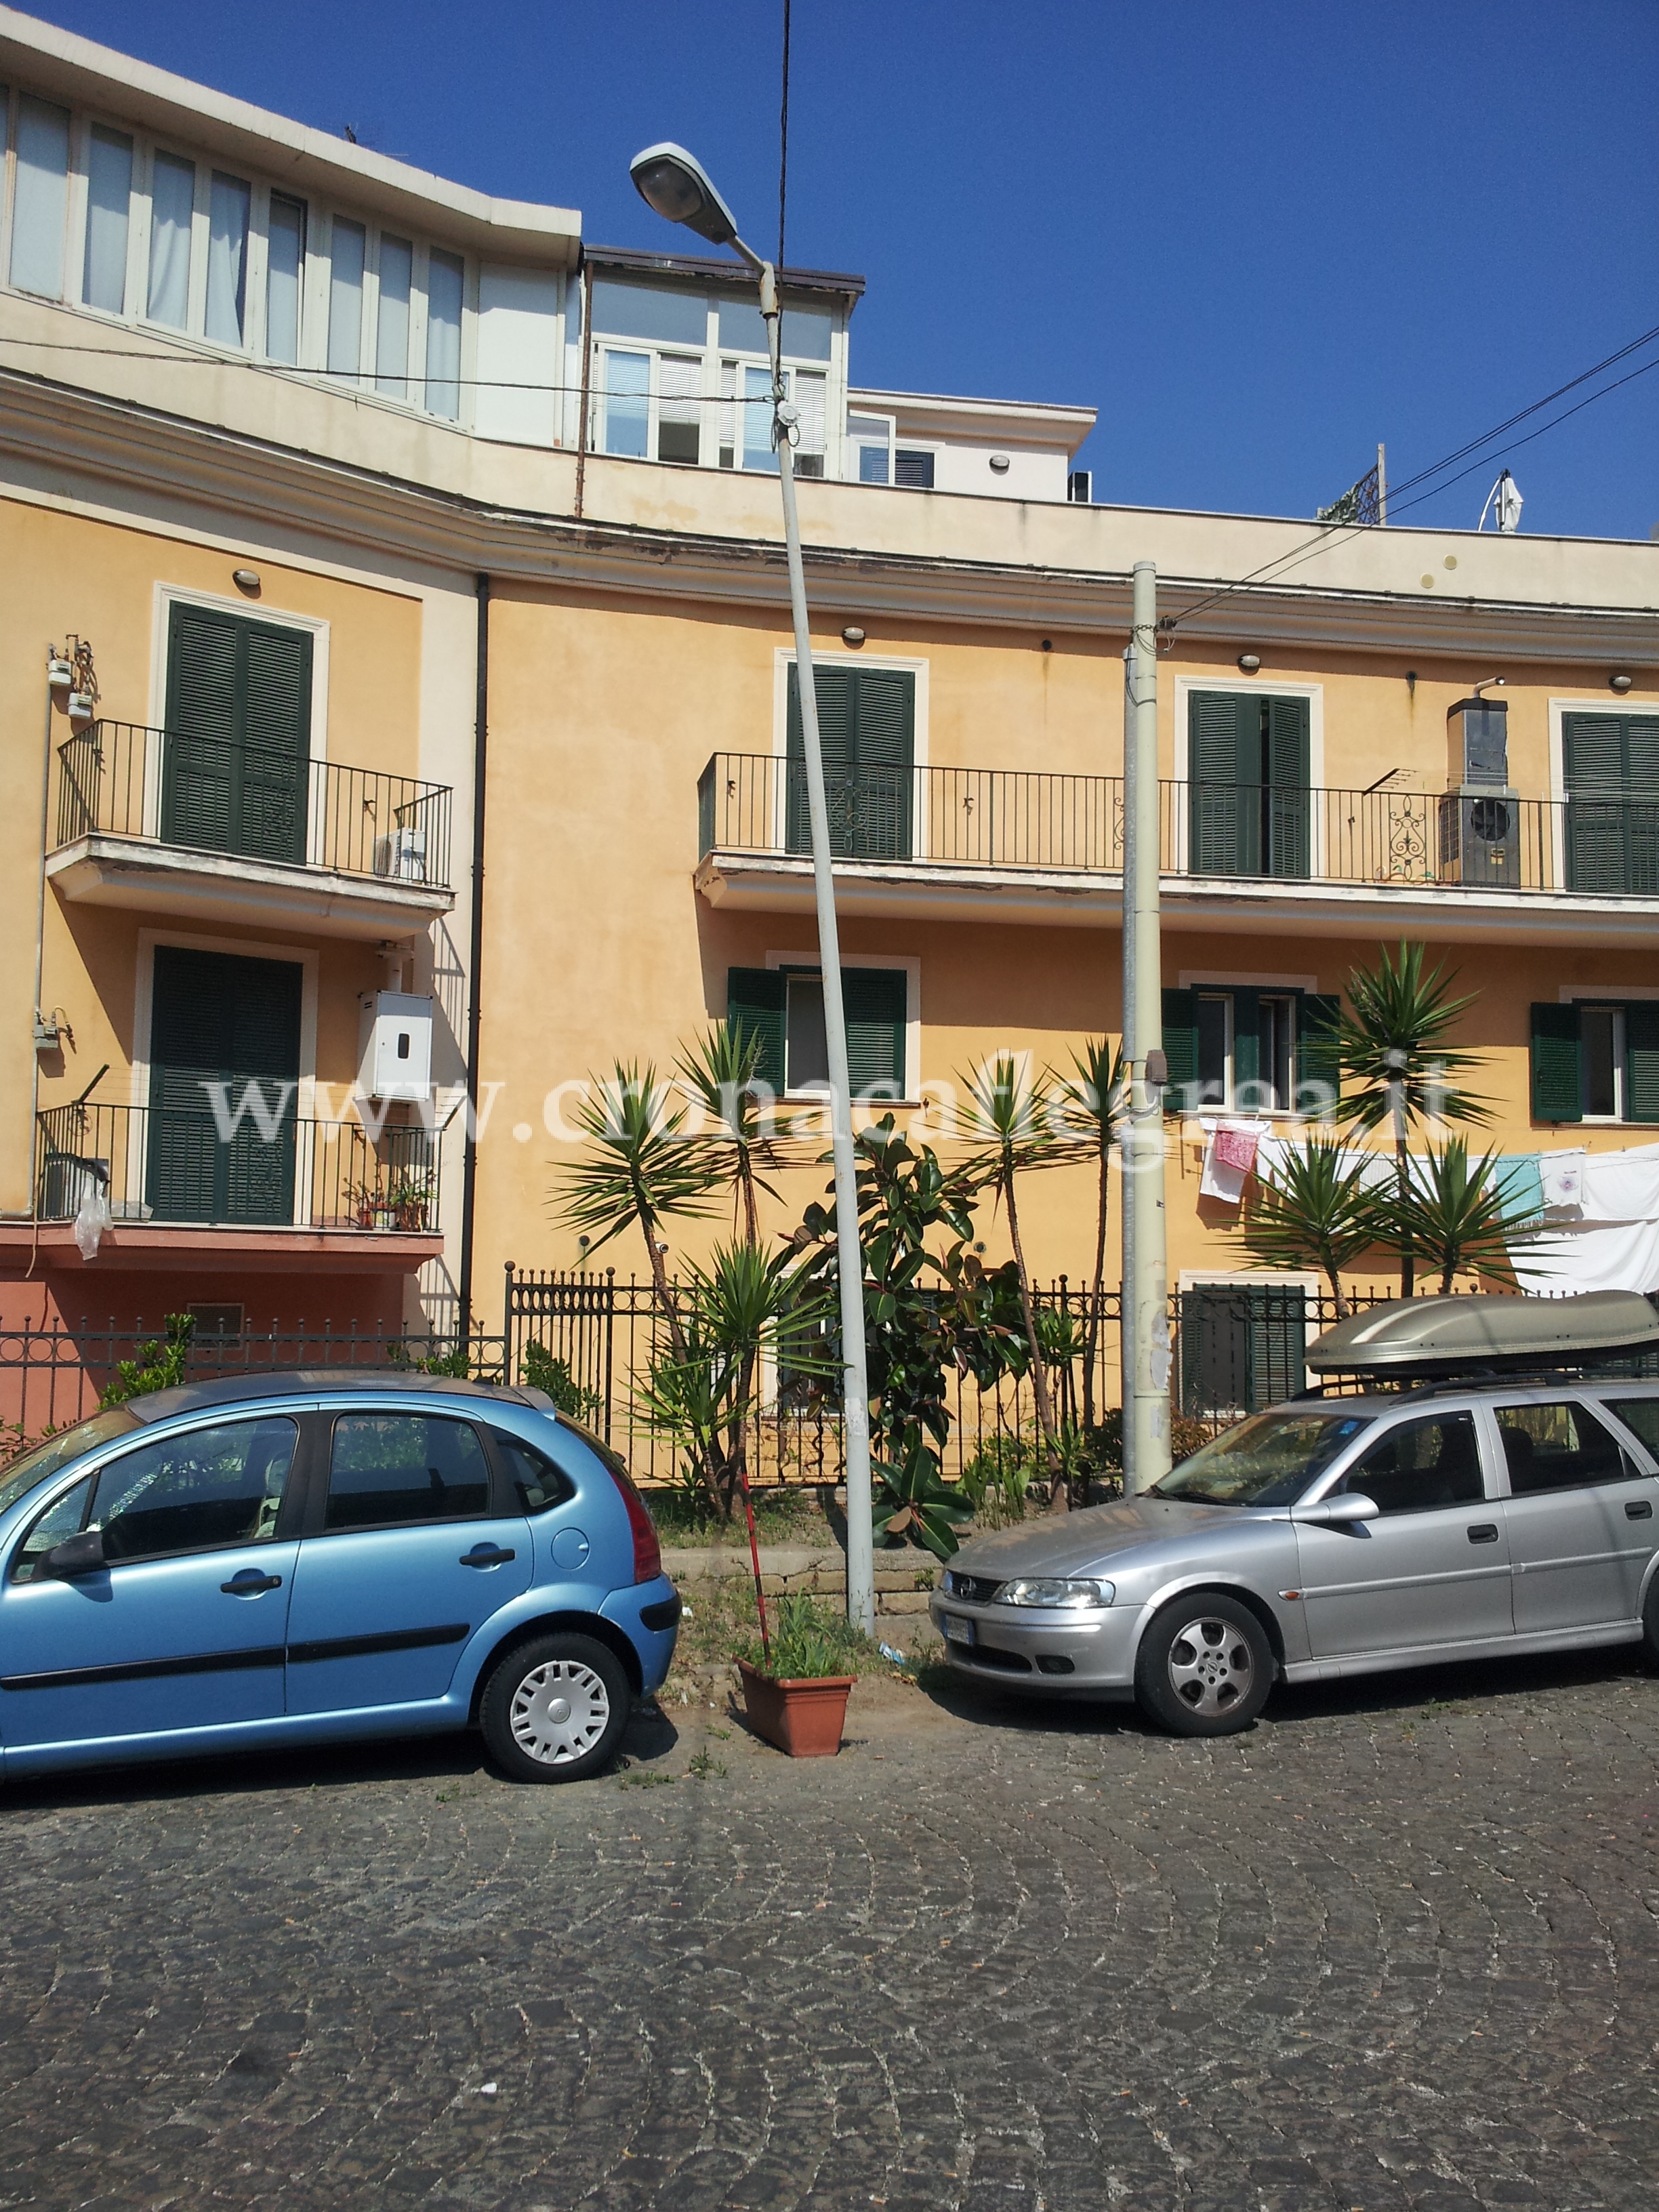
[[1211, 1668], [559, 1711]]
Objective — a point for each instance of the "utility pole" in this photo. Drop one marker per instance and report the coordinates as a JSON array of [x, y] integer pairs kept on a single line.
[[1145, 1305]]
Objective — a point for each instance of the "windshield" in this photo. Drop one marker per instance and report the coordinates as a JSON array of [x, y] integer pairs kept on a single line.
[[21, 1474], [1269, 1460]]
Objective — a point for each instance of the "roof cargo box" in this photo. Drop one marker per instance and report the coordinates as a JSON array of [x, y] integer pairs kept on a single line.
[[1432, 1336]]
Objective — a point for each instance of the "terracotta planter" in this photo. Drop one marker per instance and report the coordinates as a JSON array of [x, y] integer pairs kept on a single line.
[[803, 1718]]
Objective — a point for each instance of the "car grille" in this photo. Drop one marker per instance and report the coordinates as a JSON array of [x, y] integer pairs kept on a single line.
[[976, 1589]]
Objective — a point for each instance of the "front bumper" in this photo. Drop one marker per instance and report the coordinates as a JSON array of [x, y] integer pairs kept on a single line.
[[1028, 1648]]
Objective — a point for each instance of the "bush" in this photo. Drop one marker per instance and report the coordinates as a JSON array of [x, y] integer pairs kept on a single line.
[[999, 1473], [1105, 1443], [808, 1641], [540, 1369], [160, 1364]]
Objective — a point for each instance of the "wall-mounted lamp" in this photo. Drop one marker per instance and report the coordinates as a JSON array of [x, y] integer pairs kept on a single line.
[[1248, 662], [245, 579], [1486, 683], [1618, 683], [1000, 464], [852, 635]]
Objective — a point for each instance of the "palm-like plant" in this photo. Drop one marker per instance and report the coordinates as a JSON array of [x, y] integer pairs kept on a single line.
[[1461, 1219], [1393, 1048], [1014, 1118], [1090, 1103], [1314, 1211], [638, 1168], [721, 1071]]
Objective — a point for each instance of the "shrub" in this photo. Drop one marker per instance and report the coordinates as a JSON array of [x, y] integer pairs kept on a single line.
[[159, 1365], [808, 1641], [540, 1369]]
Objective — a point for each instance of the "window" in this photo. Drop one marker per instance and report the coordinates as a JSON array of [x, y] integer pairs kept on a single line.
[[40, 197], [235, 762], [913, 467], [871, 439], [626, 403], [622, 309], [109, 202], [392, 333], [285, 263], [754, 434], [1595, 1060], [228, 204], [1641, 1414], [1243, 1345], [222, 1026], [172, 213], [203, 1491], [1560, 1446], [444, 284], [393, 1470], [784, 1007], [537, 1484], [679, 412], [347, 248], [867, 736], [1421, 1467], [1249, 1051], [1610, 765], [1247, 760]]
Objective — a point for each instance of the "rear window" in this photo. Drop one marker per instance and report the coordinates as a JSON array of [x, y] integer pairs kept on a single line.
[[1641, 1414], [537, 1484]]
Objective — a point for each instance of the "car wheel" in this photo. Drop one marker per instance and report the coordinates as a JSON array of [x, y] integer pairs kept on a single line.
[[1650, 1626], [554, 1710], [1205, 1667]]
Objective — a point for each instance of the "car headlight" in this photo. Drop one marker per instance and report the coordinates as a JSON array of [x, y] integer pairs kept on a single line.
[[1063, 1596]]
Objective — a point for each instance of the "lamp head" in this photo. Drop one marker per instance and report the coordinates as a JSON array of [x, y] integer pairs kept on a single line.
[[675, 185]]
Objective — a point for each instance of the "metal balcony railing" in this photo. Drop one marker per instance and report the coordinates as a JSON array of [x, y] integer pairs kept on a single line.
[[255, 1165], [754, 802], [252, 802]]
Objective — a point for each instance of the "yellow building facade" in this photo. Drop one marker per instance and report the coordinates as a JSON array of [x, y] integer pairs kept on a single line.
[[388, 511]]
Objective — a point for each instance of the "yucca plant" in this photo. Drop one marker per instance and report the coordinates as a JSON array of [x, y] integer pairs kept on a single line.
[[721, 1071], [1393, 1048], [1314, 1211], [1459, 1219]]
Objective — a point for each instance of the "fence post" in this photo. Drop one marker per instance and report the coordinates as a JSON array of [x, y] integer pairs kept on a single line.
[[610, 1334], [508, 1349]]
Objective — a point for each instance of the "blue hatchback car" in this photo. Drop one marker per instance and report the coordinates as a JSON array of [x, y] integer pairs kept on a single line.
[[309, 1558]]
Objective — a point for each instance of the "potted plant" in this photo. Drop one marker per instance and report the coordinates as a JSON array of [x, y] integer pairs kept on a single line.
[[795, 1683]]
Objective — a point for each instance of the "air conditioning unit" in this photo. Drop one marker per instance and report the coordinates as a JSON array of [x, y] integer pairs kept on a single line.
[[396, 1038], [402, 856], [67, 1182], [1480, 837]]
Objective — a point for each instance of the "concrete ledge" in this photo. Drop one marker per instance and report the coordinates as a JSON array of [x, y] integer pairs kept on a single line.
[[788, 1569]]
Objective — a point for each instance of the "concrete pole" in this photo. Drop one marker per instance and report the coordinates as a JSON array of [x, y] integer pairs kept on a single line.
[[1146, 1382], [855, 1387]]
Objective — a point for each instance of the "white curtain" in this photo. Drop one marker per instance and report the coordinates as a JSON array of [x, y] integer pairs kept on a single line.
[[227, 258], [392, 332], [109, 198], [345, 298], [285, 255], [172, 196], [40, 204], [443, 335]]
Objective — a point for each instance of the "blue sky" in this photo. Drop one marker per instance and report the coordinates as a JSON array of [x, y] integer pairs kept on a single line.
[[1259, 235]]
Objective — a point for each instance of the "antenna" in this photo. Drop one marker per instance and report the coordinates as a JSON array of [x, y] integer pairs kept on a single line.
[[1503, 503]]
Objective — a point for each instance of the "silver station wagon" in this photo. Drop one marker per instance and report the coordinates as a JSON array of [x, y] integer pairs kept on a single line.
[[1501, 1496]]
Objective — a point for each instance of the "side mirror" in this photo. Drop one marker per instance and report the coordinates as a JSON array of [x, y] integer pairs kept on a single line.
[[76, 1555], [1342, 1511]]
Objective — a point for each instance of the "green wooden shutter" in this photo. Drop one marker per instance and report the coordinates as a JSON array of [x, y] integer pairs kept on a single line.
[[1641, 1060], [756, 1000], [1558, 1090], [1287, 800], [884, 736], [217, 1017], [276, 733], [1223, 763], [1317, 1061], [837, 742], [874, 1000], [235, 765], [1279, 1341], [1642, 803], [1180, 1047]]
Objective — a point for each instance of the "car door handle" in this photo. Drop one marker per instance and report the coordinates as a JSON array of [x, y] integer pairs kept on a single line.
[[487, 1555], [1638, 1509], [1483, 1531], [250, 1582]]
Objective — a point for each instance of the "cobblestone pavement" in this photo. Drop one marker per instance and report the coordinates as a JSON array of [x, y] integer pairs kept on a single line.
[[1394, 1948]]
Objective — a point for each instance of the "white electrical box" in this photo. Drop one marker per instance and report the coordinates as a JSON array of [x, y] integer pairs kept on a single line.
[[396, 1046]]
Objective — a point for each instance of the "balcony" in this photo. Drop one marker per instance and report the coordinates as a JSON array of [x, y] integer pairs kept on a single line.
[[180, 825], [261, 1188], [1012, 846]]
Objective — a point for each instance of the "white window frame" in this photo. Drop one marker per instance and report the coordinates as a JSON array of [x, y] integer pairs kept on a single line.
[[1596, 1005], [783, 659], [911, 963]]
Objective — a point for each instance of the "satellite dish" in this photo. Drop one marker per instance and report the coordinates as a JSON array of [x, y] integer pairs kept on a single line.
[[1503, 503]]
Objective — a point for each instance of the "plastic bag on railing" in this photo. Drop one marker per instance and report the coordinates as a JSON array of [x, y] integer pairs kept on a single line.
[[94, 1217]]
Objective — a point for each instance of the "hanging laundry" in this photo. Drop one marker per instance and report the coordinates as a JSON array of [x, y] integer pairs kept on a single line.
[[1229, 1156], [1593, 1256], [1516, 1180], [1561, 1178], [1237, 1148], [1622, 1186]]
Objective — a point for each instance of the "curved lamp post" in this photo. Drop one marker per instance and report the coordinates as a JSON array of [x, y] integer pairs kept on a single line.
[[675, 184]]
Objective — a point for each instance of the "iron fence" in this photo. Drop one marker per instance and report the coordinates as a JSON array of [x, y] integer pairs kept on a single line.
[[255, 1165], [1596, 846], [252, 801]]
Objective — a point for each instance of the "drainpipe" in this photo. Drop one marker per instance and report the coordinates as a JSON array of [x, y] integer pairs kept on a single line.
[[480, 763], [586, 384], [39, 978]]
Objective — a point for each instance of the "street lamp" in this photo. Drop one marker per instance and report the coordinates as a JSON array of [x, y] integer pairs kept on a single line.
[[677, 187]]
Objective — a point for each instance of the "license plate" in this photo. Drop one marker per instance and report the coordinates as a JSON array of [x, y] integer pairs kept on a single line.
[[956, 1631]]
